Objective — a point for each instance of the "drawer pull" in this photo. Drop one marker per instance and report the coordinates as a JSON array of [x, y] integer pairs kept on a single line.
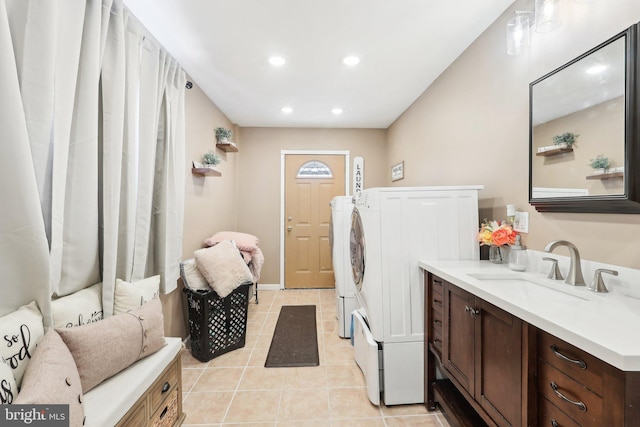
[[580, 405], [166, 387], [437, 302], [554, 423], [578, 362], [164, 412]]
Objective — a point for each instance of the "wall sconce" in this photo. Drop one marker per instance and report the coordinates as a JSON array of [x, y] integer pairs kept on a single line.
[[518, 32], [547, 18]]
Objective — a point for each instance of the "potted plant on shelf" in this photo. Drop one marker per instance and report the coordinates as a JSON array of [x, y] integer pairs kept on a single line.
[[600, 164], [566, 140], [210, 159], [223, 136]]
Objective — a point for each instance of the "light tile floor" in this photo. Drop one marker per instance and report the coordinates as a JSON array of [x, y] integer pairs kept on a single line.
[[235, 389]]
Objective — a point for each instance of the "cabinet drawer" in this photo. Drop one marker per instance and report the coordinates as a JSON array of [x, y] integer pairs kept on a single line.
[[436, 321], [437, 285], [550, 416], [137, 416], [437, 342], [586, 407], [437, 303], [569, 359], [163, 386], [167, 414]]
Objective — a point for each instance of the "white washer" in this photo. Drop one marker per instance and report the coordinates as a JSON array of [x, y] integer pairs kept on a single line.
[[391, 229], [341, 208]]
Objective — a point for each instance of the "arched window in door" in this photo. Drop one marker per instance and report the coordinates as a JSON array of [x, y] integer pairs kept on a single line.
[[314, 169]]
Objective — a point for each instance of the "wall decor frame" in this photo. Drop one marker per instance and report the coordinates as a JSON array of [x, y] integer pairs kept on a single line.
[[397, 171]]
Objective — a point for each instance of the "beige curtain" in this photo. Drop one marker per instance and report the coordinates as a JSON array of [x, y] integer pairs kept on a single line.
[[95, 107]]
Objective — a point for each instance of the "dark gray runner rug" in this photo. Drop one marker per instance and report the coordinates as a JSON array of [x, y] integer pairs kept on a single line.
[[295, 340]]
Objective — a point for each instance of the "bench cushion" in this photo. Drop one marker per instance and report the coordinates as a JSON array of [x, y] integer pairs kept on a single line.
[[107, 403]]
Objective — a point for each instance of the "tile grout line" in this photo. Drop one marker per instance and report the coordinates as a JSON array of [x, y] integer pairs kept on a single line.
[[244, 371]]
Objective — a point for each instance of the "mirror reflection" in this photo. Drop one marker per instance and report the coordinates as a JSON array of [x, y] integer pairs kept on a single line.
[[578, 127]]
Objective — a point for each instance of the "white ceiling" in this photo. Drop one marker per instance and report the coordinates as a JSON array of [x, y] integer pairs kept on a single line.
[[404, 45]]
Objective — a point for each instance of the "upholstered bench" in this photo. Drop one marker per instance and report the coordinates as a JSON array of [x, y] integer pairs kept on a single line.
[[146, 393]]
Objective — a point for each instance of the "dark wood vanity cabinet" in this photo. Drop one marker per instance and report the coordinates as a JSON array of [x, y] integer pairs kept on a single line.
[[578, 389], [500, 371], [485, 353], [482, 354]]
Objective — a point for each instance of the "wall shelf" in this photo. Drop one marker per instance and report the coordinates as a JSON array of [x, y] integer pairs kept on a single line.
[[227, 148], [555, 151], [205, 172], [606, 175]]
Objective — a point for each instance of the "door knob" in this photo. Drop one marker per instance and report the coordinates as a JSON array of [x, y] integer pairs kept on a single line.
[[290, 219], [289, 228]]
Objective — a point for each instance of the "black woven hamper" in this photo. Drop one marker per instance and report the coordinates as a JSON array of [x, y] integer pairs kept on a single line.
[[217, 325]]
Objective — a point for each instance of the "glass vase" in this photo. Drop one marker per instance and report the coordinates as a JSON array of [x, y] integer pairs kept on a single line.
[[499, 254]]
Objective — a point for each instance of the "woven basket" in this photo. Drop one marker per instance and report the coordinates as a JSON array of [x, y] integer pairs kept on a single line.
[[169, 415]]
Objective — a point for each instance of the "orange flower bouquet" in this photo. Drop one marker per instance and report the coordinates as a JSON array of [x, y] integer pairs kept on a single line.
[[496, 234]]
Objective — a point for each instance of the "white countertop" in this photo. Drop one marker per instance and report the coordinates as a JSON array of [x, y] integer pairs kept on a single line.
[[607, 325]]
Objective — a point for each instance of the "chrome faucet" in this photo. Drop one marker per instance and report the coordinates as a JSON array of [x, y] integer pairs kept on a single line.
[[575, 271]]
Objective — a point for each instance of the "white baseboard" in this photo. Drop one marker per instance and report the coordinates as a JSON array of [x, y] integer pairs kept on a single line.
[[269, 287]]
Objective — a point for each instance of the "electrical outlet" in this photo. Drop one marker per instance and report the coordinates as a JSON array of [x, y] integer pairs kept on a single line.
[[521, 223]]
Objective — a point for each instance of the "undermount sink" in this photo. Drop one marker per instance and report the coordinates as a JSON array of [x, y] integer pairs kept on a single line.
[[529, 286]]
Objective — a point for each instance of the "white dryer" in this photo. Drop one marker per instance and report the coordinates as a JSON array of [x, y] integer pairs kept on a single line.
[[391, 229], [341, 208]]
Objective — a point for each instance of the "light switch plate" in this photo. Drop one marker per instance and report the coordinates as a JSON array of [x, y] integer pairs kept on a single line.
[[521, 223]]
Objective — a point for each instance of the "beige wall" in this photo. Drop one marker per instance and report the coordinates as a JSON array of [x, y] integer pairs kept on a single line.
[[210, 202], [259, 177], [471, 127]]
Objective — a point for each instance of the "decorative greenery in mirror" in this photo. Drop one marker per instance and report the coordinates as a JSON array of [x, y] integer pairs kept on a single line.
[[593, 97]]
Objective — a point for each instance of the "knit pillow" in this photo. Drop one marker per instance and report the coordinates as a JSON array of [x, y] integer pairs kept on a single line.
[[51, 377], [130, 295], [20, 331], [223, 267], [105, 348]]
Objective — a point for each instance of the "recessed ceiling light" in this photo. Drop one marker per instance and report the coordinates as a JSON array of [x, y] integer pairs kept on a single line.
[[351, 60], [336, 110], [287, 110], [596, 69], [277, 61]]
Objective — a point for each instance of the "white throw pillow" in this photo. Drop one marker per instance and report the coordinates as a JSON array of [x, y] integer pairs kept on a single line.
[[131, 295], [191, 275], [8, 386], [79, 308], [20, 331]]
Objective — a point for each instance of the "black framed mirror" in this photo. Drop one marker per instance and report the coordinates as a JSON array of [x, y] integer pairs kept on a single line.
[[584, 130]]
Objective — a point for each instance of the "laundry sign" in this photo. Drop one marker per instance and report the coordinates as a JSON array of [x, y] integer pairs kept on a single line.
[[358, 175]]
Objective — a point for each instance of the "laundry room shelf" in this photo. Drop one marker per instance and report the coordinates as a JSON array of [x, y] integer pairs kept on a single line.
[[205, 172], [606, 175], [228, 148], [554, 152]]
